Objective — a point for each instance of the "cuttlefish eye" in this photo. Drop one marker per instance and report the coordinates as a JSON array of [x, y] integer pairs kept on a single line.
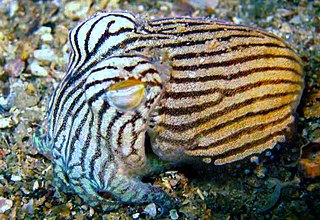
[[126, 95]]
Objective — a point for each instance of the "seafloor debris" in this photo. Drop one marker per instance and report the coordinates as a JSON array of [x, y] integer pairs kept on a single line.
[[26, 26], [309, 163], [151, 209], [5, 204], [173, 214], [312, 106]]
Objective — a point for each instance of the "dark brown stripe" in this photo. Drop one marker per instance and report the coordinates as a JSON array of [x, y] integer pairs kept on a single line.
[[103, 68], [134, 134], [114, 48], [220, 25], [235, 61], [103, 112], [187, 42], [148, 71], [111, 124], [86, 145], [233, 136], [189, 109], [76, 49], [100, 42], [246, 130], [102, 172], [203, 120], [233, 76], [165, 22], [101, 81], [68, 114], [88, 34], [228, 92], [193, 31], [124, 16], [75, 137], [96, 156], [63, 94], [252, 144], [121, 135], [190, 55]]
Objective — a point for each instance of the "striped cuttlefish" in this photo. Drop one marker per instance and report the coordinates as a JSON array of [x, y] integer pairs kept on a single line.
[[199, 89]]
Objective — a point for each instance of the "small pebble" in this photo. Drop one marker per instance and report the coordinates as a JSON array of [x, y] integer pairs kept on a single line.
[[254, 159], [5, 204], [44, 30], [61, 33], [22, 98], [268, 153], [14, 67], [151, 210], [236, 20], [260, 171], [284, 12], [5, 123], [91, 211], [15, 178], [207, 160], [7, 103], [174, 214], [35, 185], [296, 20], [14, 6], [204, 4], [173, 182], [45, 55], [29, 207], [311, 187], [24, 55], [46, 37], [38, 70], [135, 215], [269, 18], [200, 194], [164, 8], [113, 4], [76, 9], [141, 8], [25, 191], [84, 207], [2, 36]]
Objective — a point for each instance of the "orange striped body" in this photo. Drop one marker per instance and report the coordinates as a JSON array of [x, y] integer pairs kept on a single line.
[[232, 91]]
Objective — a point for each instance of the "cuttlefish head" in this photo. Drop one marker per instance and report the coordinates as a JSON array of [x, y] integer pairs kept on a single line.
[[121, 92]]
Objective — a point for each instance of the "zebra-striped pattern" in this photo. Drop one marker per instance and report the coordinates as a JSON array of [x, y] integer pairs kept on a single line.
[[210, 89]]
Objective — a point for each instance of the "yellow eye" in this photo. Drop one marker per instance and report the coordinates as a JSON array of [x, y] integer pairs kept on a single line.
[[126, 95]]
